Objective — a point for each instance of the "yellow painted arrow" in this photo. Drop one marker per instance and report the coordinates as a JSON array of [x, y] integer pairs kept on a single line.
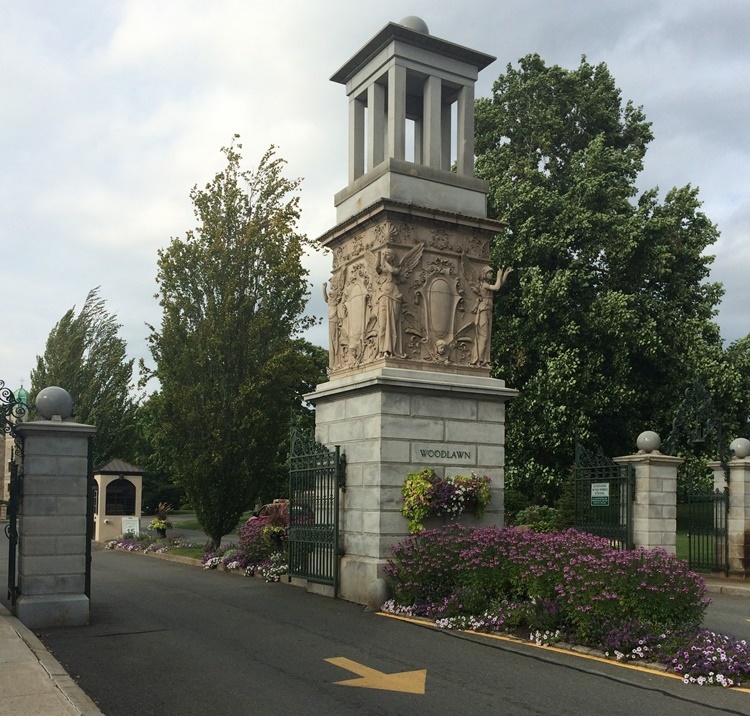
[[408, 682]]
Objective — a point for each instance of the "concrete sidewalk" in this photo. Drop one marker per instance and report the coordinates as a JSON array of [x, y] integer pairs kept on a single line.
[[32, 682]]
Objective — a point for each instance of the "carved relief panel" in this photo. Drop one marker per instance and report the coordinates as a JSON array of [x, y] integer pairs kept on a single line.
[[410, 291]]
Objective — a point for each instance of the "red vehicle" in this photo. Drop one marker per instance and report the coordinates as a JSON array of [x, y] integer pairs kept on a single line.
[[301, 514], [277, 507]]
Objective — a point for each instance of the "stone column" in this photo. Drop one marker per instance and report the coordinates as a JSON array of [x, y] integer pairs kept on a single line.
[[397, 111], [738, 522], [465, 120], [376, 125], [52, 523], [655, 506], [433, 114]]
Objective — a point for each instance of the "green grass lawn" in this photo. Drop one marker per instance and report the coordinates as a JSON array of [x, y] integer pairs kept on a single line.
[[682, 544], [194, 552], [683, 550], [195, 525]]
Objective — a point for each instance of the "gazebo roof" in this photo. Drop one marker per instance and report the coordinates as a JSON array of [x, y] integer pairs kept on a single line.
[[116, 466]]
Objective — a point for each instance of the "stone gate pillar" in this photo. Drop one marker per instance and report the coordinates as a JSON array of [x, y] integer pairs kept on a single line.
[[411, 291], [52, 523], [738, 522], [655, 506]]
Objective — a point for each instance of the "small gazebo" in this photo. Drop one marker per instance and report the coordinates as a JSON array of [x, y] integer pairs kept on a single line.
[[117, 499]]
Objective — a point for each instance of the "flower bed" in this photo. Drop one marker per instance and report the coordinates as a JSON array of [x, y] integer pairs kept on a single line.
[[261, 549], [148, 543], [633, 605]]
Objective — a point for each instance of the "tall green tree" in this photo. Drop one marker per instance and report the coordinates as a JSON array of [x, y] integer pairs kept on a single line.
[[228, 354], [313, 369], [736, 395], [608, 315], [158, 481], [85, 355]]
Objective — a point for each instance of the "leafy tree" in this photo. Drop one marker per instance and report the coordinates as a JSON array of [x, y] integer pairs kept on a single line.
[[158, 481], [607, 317], [85, 355], [227, 354], [736, 396], [301, 417]]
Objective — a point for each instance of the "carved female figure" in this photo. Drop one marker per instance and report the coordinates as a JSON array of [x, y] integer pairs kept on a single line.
[[485, 288], [388, 273], [389, 306]]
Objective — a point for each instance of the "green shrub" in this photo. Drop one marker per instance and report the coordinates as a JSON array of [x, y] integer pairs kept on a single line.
[[566, 505], [514, 502], [538, 517]]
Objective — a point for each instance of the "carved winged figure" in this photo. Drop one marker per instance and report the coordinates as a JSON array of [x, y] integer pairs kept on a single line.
[[484, 288], [388, 273]]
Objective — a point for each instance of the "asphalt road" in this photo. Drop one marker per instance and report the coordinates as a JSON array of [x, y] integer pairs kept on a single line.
[[729, 615], [170, 639]]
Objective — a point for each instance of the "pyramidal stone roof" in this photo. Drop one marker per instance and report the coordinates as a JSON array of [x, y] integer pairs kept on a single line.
[[116, 466]]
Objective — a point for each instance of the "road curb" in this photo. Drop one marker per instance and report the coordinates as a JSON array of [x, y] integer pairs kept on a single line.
[[728, 587], [572, 650]]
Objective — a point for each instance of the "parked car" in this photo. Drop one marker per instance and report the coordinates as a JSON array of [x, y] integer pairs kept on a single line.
[[277, 507], [300, 513]]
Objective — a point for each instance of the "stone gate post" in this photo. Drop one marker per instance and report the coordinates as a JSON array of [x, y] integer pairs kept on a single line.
[[52, 516], [655, 506], [738, 522]]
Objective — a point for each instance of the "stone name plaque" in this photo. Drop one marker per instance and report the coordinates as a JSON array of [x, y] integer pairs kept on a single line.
[[440, 454]]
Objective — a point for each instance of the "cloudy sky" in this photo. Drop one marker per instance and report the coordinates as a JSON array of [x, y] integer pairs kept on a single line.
[[111, 110]]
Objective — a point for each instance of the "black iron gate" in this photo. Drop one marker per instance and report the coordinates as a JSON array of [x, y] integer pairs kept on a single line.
[[702, 513], [316, 474], [708, 539], [11, 412], [604, 495]]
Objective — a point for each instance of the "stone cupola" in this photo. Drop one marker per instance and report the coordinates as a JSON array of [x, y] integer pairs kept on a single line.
[[411, 110]]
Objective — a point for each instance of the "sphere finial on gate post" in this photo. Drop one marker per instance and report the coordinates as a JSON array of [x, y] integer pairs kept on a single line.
[[648, 442], [54, 403], [740, 447]]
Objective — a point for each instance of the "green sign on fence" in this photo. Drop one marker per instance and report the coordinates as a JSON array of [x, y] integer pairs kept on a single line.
[[600, 494]]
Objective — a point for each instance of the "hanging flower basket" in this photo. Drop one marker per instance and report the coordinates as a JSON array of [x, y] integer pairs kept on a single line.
[[426, 495]]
